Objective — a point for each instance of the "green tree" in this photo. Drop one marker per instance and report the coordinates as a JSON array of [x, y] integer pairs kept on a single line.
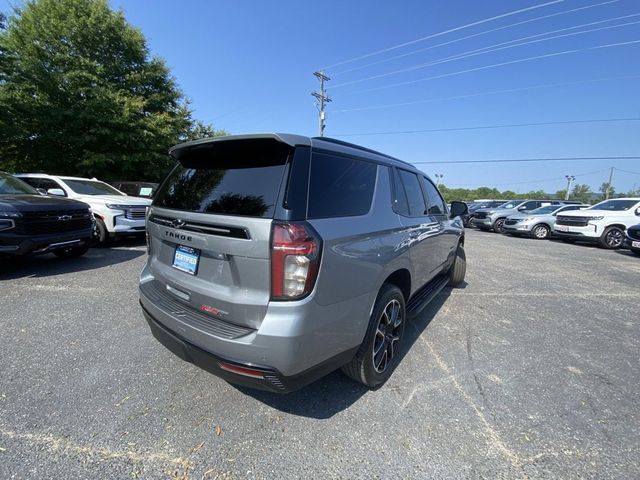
[[581, 193], [198, 130], [80, 94], [606, 186], [634, 192]]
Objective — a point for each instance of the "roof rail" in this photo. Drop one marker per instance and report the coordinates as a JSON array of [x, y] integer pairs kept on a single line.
[[358, 147]]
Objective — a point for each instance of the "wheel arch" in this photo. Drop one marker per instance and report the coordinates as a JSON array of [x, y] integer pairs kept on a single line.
[[618, 225], [401, 278]]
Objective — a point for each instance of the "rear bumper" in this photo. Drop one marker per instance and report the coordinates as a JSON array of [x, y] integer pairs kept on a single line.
[[23, 245], [262, 378]]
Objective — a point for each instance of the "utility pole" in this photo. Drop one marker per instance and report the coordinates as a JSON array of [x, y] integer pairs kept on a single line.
[[322, 100], [606, 195], [438, 178], [570, 179]]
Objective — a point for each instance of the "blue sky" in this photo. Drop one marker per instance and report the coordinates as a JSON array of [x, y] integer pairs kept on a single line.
[[247, 67]]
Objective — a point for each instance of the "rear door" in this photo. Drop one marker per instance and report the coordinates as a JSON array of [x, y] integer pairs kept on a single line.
[[210, 226]]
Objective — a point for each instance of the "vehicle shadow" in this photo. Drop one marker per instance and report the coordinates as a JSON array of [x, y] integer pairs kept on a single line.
[[627, 253], [322, 399], [336, 392], [576, 243], [41, 266]]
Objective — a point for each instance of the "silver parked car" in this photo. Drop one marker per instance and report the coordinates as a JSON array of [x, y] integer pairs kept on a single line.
[[275, 259], [494, 218], [537, 223]]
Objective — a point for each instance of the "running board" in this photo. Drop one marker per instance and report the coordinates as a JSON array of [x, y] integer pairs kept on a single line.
[[422, 297]]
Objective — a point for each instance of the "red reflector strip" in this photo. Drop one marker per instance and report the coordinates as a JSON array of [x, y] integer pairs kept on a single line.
[[247, 372]]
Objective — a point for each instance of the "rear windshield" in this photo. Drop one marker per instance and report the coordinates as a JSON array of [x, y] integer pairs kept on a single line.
[[227, 180]]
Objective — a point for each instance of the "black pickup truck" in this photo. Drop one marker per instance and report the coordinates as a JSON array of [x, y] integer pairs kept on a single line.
[[35, 223]]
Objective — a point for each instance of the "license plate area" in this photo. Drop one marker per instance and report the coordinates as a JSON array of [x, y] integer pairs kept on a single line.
[[186, 259], [635, 244], [562, 228]]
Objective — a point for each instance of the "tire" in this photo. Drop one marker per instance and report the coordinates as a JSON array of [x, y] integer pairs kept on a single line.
[[498, 225], [540, 232], [379, 352], [100, 233], [73, 252], [612, 238], [458, 269]]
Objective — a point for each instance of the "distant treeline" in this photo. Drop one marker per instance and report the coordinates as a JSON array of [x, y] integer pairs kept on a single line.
[[580, 192]]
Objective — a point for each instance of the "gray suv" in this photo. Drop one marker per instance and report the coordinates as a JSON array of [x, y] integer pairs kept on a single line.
[[275, 259]]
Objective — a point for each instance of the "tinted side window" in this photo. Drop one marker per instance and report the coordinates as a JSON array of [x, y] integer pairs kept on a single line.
[[400, 202], [436, 203], [412, 189], [340, 186], [530, 205]]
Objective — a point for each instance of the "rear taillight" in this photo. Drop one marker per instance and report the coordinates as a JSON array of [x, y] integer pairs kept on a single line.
[[295, 259]]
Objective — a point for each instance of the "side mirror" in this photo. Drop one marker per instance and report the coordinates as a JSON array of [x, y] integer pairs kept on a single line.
[[458, 209], [522, 209], [41, 191], [638, 211], [58, 192]]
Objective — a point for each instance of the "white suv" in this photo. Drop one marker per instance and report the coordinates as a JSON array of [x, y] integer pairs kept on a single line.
[[116, 213], [604, 223]]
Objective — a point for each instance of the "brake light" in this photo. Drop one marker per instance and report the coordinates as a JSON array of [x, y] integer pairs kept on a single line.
[[295, 259]]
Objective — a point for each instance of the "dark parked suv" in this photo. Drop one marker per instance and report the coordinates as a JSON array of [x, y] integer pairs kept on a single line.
[[34, 223], [275, 259]]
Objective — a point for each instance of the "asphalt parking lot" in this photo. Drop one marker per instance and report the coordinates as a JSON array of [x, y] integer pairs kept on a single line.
[[530, 371]]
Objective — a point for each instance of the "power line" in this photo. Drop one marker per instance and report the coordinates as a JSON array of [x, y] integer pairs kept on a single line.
[[558, 31], [479, 94], [627, 171], [522, 160], [487, 127], [462, 27], [528, 182], [485, 32], [500, 64], [497, 47]]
